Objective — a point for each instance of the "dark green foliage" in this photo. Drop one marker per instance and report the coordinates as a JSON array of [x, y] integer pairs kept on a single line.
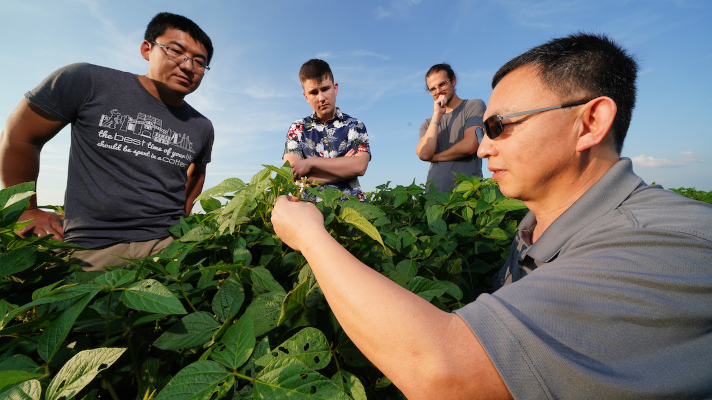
[[695, 194], [228, 311]]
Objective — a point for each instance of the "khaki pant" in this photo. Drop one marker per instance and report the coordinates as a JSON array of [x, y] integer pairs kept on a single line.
[[95, 260]]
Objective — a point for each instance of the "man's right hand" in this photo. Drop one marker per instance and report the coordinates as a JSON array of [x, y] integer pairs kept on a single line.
[[43, 223], [439, 105]]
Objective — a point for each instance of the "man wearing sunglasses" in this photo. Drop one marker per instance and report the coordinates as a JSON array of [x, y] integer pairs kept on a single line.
[[608, 289], [448, 140], [138, 151]]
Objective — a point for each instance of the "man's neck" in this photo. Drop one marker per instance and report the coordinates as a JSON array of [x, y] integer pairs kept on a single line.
[[564, 192], [453, 103], [160, 91]]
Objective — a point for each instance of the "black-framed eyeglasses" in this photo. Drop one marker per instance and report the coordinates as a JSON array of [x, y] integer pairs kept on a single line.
[[493, 126], [439, 87], [179, 57]]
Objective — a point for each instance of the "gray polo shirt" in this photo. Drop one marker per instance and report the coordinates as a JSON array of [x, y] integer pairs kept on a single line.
[[613, 301]]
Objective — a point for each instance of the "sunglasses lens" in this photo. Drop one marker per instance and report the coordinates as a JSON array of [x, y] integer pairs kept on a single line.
[[491, 127]]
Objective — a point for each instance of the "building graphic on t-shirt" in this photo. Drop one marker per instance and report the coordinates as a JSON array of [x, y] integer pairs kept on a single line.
[[146, 126]]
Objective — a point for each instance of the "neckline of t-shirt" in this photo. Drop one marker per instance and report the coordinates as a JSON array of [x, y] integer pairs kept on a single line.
[[166, 105]]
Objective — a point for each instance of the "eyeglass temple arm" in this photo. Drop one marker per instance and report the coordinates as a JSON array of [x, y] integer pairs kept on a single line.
[[575, 103]]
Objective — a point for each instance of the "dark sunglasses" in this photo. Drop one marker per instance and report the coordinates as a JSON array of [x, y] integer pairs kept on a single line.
[[493, 126]]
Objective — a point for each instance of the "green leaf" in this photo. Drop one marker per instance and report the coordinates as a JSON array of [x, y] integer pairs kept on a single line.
[[55, 334], [192, 330], [209, 205], [116, 278], [509, 205], [329, 195], [497, 234], [264, 282], [434, 212], [80, 370], [61, 294], [229, 185], [368, 211], [237, 344], [150, 378], [229, 298], [11, 378], [309, 346], [18, 362], [13, 202], [438, 226], [489, 194], [400, 199], [408, 268], [426, 288], [17, 260], [350, 385], [198, 381], [150, 295], [294, 301], [352, 217], [289, 378], [27, 390], [198, 234], [351, 354], [265, 310]]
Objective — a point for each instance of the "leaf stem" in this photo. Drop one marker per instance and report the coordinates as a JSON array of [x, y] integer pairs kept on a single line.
[[185, 296], [253, 380], [107, 318]]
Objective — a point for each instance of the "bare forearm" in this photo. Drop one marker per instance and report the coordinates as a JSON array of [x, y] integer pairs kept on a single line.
[[428, 143], [194, 185], [19, 163], [465, 148], [396, 329]]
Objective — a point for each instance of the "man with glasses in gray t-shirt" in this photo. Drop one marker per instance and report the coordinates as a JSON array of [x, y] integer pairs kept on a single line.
[[448, 140], [138, 151]]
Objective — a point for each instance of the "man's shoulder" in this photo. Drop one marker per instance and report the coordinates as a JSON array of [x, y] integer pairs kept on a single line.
[[351, 121], [653, 207], [475, 106]]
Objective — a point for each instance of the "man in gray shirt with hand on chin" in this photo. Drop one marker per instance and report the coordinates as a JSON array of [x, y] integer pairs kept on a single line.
[[448, 140], [138, 151]]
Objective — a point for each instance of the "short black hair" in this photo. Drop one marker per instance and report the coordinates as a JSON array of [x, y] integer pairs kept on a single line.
[[584, 62], [437, 68], [315, 69], [165, 20]]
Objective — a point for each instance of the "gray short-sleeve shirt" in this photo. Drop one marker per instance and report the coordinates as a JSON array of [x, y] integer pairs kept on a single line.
[[613, 301], [129, 154], [452, 130]]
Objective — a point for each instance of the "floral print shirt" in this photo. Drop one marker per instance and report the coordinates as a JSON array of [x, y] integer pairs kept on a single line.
[[309, 137]]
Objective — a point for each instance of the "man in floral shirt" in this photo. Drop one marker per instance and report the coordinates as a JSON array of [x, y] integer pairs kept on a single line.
[[328, 146]]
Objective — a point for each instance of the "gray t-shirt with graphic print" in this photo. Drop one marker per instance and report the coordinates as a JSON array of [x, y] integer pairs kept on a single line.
[[452, 130], [129, 154]]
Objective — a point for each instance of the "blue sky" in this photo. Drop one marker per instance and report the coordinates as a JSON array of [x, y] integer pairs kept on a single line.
[[379, 53]]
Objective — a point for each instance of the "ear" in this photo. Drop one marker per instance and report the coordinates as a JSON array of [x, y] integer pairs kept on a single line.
[[454, 80], [596, 120], [145, 49], [305, 96], [336, 89]]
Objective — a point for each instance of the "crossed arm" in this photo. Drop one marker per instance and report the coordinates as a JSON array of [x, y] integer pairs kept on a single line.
[[26, 131], [427, 353], [329, 170], [462, 149]]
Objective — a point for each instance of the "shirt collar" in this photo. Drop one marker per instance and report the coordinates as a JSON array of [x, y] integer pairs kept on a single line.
[[604, 196]]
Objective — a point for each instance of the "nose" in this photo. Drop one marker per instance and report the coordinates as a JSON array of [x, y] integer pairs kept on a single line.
[[486, 147], [187, 63]]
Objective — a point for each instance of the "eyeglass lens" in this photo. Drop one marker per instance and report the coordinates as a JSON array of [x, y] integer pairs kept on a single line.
[[492, 127]]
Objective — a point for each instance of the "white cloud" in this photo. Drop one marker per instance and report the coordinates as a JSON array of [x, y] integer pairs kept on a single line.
[[644, 161]]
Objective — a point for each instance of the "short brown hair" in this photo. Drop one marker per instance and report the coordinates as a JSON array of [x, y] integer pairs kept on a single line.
[[315, 69]]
